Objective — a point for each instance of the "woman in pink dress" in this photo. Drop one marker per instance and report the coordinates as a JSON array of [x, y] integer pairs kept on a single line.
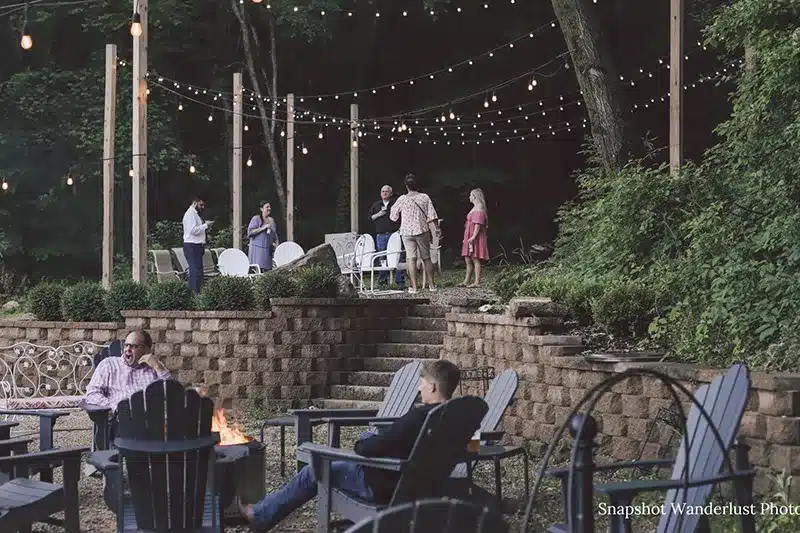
[[475, 248]]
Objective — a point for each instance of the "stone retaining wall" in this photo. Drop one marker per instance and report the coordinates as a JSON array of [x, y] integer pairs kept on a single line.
[[553, 379], [280, 359]]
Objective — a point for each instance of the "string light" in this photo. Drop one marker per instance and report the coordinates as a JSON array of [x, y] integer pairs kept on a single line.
[[130, 173], [69, 181], [305, 150], [136, 25], [249, 161], [192, 169], [5, 185], [26, 42]]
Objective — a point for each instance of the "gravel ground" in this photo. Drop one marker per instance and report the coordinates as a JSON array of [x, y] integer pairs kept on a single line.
[[447, 288]]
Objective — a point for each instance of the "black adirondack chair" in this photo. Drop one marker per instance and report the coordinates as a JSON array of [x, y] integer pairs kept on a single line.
[[25, 501], [441, 442], [167, 447], [433, 516], [724, 399], [398, 400]]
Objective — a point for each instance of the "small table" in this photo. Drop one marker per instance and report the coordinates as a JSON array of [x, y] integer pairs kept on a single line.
[[496, 453]]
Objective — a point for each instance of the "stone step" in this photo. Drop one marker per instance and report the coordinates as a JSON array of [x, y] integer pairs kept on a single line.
[[415, 336], [358, 392], [428, 311], [400, 349], [349, 404], [423, 323], [370, 379], [385, 364]]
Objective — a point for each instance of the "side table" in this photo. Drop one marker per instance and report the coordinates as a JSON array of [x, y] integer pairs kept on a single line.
[[496, 453]]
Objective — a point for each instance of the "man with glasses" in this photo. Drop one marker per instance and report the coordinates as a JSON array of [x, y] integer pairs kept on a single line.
[[117, 378]]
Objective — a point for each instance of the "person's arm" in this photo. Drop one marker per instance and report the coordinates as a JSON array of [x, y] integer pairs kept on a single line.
[[254, 228], [194, 228], [97, 390], [398, 205], [432, 215], [162, 372], [478, 221], [400, 436]]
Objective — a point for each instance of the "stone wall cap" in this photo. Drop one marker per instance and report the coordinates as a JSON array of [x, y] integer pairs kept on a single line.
[[66, 325], [347, 302], [502, 320], [466, 301], [523, 306], [554, 340], [241, 315]]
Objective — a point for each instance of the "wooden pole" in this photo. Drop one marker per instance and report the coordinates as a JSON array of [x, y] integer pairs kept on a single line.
[[290, 167], [676, 86], [354, 168], [139, 135], [109, 131], [237, 160]]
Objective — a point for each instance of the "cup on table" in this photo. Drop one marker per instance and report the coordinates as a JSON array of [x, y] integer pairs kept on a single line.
[[474, 444]]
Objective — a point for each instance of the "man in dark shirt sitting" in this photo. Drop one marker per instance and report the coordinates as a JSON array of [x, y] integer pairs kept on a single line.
[[437, 383]]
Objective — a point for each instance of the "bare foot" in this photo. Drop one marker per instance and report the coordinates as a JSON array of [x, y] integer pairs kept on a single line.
[[245, 510], [474, 286]]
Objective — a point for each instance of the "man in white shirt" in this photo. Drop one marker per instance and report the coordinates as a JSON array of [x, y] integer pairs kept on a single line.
[[194, 241]]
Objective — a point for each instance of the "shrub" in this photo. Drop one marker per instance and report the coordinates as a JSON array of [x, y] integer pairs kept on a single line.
[[44, 300], [227, 293], [125, 294], [277, 284], [170, 296], [84, 302], [165, 234], [510, 280], [317, 281], [624, 307]]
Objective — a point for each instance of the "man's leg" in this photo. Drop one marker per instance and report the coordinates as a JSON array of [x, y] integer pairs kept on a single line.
[[381, 242], [271, 510], [188, 252]]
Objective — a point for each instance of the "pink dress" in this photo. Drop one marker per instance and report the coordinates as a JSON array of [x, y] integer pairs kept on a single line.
[[481, 246]]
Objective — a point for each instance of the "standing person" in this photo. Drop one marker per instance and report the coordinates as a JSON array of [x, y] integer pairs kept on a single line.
[[263, 238], [194, 241], [419, 219], [384, 227], [475, 248]]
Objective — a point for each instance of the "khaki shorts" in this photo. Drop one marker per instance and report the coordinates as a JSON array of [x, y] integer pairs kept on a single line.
[[417, 246]]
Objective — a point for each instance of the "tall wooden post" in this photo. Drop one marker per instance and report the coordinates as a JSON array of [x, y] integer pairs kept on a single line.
[[236, 195], [676, 85], [354, 168], [109, 131], [290, 167], [139, 135]]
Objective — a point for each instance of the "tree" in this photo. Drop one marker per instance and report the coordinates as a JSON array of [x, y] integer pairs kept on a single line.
[[597, 79]]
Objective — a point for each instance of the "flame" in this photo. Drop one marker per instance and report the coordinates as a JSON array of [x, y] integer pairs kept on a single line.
[[228, 434]]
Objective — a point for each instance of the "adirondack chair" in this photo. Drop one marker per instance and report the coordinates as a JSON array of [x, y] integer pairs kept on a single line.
[[724, 399], [167, 448], [441, 442], [25, 501], [398, 400], [429, 516]]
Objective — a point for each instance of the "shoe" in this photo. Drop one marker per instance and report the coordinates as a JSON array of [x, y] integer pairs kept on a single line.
[[412, 290], [432, 289]]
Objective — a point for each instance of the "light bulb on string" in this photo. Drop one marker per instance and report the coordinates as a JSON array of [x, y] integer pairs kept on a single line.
[[494, 97], [531, 84], [192, 169], [210, 117], [486, 103], [26, 42], [246, 127], [5, 185], [283, 133], [136, 25], [304, 150], [130, 173], [249, 161], [70, 181], [444, 118], [180, 107], [320, 136], [452, 115]]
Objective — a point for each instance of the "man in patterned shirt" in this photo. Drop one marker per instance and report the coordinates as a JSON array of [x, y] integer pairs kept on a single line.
[[117, 378]]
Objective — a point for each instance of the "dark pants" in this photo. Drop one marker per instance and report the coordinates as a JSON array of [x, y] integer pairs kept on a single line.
[[194, 256], [381, 242]]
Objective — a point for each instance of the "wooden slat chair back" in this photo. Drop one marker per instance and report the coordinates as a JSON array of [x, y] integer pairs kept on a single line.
[[433, 516], [166, 443], [724, 399], [402, 391], [499, 396], [444, 437]]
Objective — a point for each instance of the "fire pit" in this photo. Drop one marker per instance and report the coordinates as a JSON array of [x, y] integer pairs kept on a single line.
[[241, 469]]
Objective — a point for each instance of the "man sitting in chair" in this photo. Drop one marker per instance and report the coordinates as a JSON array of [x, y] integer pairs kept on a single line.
[[437, 383], [117, 378]]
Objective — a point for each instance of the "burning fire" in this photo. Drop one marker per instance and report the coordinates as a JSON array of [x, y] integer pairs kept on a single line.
[[228, 434]]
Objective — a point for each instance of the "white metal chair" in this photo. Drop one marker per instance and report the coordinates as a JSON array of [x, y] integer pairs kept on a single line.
[[387, 261], [233, 262], [347, 260], [286, 252]]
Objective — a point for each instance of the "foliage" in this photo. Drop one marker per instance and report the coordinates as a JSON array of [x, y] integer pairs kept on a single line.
[[170, 296], [317, 281], [273, 284], [623, 308], [84, 302], [223, 237], [125, 294], [227, 293], [44, 300], [165, 234], [508, 283]]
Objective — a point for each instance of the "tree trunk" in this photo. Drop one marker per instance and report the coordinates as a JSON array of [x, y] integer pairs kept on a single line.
[[267, 121], [597, 80]]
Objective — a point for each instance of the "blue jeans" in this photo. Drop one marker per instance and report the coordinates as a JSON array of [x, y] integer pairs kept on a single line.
[[381, 242], [278, 505], [194, 256]]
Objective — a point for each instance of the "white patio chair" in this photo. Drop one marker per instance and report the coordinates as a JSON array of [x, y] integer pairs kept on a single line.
[[350, 260], [286, 252], [233, 262], [387, 261]]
